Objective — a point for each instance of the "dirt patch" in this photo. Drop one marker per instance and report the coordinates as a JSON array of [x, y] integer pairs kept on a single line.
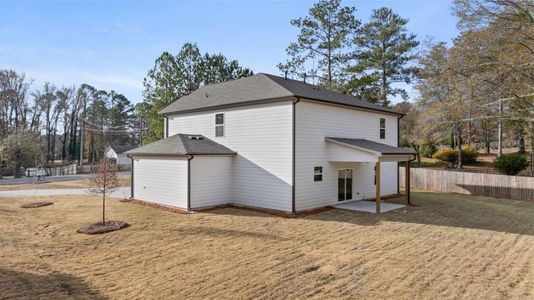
[[36, 204], [98, 228]]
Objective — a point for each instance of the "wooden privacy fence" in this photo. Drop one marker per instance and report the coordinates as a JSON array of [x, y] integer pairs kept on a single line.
[[480, 184], [66, 170]]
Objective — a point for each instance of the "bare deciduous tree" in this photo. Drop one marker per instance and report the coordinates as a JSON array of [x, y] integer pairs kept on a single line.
[[103, 181]]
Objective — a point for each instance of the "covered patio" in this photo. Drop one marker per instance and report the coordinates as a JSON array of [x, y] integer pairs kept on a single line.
[[349, 151]]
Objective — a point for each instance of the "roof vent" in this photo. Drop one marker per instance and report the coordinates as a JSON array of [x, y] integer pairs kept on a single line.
[[196, 137]]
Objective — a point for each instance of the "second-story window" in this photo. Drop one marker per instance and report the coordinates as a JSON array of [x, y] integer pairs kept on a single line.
[[318, 173], [382, 128], [219, 124]]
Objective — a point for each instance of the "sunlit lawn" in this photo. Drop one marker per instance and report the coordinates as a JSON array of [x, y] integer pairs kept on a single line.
[[449, 246]]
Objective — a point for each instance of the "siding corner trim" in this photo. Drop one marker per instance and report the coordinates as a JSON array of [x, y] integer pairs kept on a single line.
[[189, 182], [293, 204], [131, 177]]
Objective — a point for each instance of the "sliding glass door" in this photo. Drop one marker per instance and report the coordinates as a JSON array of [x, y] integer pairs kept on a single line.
[[344, 184]]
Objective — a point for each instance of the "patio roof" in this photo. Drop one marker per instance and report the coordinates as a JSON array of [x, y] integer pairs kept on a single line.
[[347, 150], [362, 150]]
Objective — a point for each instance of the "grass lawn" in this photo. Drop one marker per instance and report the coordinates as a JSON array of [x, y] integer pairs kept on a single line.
[[449, 246], [68, 184]]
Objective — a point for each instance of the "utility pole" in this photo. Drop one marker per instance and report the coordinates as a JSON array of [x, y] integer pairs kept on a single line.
[[499, 128], [81, 143]]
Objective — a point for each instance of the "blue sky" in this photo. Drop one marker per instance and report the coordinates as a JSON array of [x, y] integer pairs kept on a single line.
[[112, 45]]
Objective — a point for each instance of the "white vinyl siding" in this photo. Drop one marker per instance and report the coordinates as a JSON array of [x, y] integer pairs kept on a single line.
[[316, 121], [262, 137], [123, 159], [161, 180], [211, 180]]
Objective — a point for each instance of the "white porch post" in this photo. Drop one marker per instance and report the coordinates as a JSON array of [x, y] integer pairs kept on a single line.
[[377, 176]]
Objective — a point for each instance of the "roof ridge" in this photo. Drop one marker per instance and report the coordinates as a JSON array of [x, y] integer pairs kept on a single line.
[[268, 76]]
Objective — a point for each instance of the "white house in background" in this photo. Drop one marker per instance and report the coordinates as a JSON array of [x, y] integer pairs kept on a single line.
[[269, 142], [118, 152]]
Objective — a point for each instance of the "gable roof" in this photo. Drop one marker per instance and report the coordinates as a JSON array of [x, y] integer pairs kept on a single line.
[[119, 149], [181, 145], [383, 149], [262, 88]]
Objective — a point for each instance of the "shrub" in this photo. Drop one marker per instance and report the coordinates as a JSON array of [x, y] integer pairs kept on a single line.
[[448, 155], [469, 155], [427, 150], [510, 164]]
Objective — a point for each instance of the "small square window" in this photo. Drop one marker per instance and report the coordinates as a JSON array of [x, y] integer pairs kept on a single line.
[[219, 119], [219, 130], [318, 174]]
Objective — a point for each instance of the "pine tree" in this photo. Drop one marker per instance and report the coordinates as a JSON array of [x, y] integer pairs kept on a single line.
[[384, 49], [323, 39], [174, 76]]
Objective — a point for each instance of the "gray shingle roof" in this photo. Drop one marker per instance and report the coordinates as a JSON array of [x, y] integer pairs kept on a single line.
[[122, 148], [258, 88], [182, 144], [373, 146]]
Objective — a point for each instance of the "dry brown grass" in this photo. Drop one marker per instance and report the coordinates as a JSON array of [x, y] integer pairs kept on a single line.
[[68, 184], [450, 246]]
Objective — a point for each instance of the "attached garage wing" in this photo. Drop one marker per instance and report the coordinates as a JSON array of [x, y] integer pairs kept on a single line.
[[162, 172], [161, 180]]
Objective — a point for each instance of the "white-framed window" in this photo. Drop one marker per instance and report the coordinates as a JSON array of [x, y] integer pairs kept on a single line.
[[382, 128], [219, 124], [318, 173]]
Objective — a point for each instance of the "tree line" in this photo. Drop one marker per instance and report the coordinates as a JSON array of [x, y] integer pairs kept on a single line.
[[41, 126], [478, 91]]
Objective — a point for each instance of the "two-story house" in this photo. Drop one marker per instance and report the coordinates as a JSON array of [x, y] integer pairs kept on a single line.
[[269, 142]]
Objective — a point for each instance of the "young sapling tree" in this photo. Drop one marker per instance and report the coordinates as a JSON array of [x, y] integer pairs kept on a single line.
[[103, 181]]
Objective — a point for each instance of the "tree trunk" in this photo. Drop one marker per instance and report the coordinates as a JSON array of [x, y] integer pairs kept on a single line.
[[104, 196], [459, 144], [522, 148], [104, 207], [384, 90], [17, 169]]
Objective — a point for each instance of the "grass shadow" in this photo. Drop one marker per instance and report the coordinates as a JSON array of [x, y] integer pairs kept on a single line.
[[432, 208], [225, 233], [18, 284], [454, 210]]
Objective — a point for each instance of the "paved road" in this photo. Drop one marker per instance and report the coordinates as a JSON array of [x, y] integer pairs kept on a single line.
[[122, 192], [23, 180]]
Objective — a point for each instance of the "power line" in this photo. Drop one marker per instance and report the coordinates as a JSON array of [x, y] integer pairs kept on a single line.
[[507, 99]]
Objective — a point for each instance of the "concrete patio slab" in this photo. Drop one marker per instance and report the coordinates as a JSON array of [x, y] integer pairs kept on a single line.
[[368, 206]]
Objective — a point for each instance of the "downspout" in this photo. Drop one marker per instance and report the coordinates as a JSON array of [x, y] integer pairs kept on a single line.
[[293, 204], [408, 180], [189, 182], [131, 177]]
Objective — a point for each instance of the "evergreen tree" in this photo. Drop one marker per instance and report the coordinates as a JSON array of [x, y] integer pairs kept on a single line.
[[384, 48], [323, 39], [175, 76]]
